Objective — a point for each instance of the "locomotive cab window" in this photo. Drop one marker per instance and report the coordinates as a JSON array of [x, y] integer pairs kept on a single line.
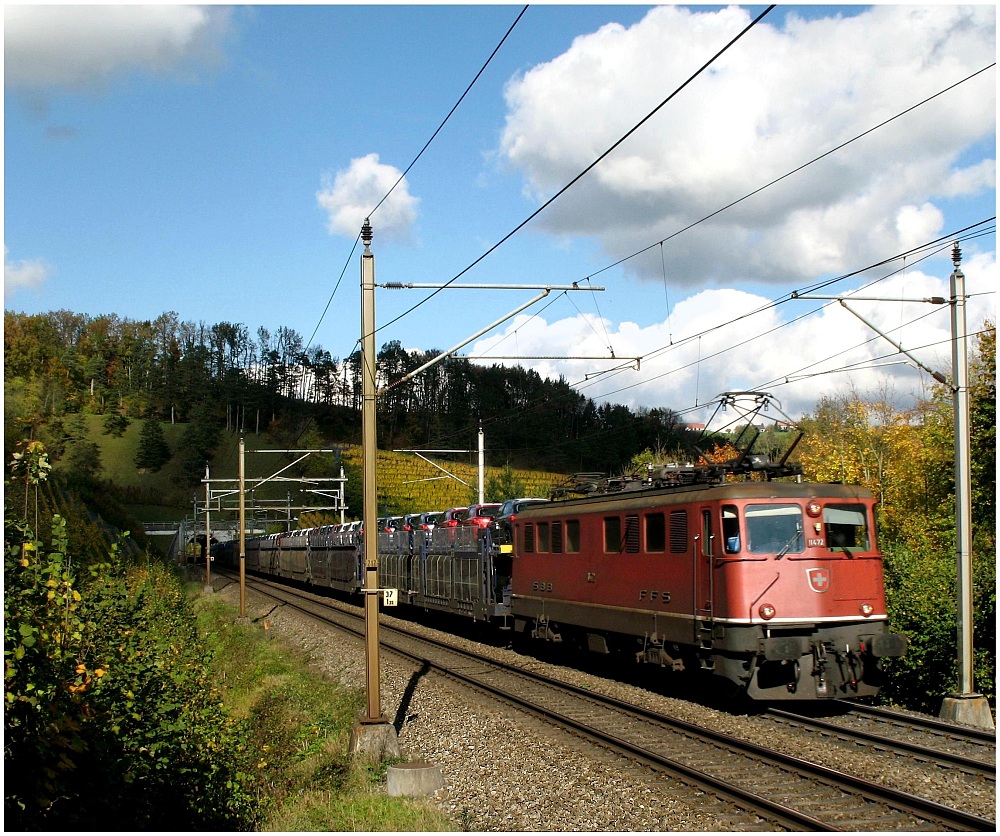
[[730, 529], [846, 528], [774, 529]]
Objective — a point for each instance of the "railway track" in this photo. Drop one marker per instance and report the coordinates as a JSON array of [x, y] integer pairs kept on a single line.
[[764, 784], [922, 738]]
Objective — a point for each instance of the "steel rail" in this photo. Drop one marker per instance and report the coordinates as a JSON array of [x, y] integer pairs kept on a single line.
[[891, 743], [932, 723], [747, 801], [895, 799]]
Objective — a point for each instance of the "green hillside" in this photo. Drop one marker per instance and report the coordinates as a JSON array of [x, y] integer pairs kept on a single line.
[[406, 483]]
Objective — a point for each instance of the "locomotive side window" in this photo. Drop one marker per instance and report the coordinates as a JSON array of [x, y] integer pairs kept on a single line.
[[678, 532], [632, 533], [529, 537], [612, 535], [656, 533], [846, 528], [774, 529], [707, 537], [730, 529], [572, 536], [542, 540]]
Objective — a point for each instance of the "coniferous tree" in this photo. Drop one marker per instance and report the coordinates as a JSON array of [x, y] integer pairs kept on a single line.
[[115, 424], [197, 443], [83, 461], [153, 450]]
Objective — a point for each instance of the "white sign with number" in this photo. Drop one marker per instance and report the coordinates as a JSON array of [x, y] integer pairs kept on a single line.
[[389, 597]]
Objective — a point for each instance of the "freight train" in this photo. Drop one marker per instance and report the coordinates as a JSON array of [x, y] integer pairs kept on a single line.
[[774, 586]]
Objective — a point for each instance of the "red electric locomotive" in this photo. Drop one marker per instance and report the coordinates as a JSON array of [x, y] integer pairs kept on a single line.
[[774, 586]]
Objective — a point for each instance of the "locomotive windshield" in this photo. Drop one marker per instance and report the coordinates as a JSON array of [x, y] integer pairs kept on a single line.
[[774, 529], [846, 528]]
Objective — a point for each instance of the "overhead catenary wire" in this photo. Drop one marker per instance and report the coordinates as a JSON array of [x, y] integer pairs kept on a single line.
[[427, 144], [681, 411], [929, 249], [819, 285], [585, 171], [413, 162], [788, 174], [583, 384], [666, 294], [874, 338], [717, 211], [698, 407], [823, 284], [707, 217], [934, 247]]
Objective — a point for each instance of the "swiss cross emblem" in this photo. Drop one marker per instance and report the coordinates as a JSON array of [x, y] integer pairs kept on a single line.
[[819, 579]]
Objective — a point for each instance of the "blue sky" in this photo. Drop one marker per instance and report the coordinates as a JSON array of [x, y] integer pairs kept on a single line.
[[218, 161]]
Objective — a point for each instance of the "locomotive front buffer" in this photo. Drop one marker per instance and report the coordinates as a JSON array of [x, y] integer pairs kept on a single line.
[[822, 667]]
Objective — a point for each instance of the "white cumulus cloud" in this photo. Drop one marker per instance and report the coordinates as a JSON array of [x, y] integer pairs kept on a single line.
[[23, 275], [781, 96], [721, 340], [81, 47], [353, 193]]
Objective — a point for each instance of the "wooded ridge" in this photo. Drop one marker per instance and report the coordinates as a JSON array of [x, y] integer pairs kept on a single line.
[[59, 363]]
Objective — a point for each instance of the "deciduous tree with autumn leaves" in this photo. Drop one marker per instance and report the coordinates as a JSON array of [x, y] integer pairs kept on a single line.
[[906, 458]]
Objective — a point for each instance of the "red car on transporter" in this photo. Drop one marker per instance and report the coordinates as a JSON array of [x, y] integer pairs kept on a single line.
[[481, 515], [452, 517]]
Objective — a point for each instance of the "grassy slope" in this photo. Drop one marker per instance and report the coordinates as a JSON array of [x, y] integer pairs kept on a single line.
[[406, 483]]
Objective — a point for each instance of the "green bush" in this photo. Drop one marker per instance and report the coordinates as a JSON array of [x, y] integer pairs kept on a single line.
[[921, 594], [110, 719]]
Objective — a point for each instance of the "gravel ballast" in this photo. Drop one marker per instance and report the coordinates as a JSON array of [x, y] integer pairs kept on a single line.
[[506, 771]]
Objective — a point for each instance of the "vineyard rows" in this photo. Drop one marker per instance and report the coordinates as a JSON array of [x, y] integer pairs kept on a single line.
[[407, 483]]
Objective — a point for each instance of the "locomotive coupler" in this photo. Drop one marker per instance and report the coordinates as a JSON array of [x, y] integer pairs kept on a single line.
[[820, 661], [849, 676]]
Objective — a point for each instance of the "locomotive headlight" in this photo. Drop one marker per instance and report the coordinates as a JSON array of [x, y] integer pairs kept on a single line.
[[813, 509], [867, 609], [767, 611]]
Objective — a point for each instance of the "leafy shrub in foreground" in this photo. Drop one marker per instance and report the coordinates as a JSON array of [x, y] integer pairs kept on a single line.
[[110, 718]]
